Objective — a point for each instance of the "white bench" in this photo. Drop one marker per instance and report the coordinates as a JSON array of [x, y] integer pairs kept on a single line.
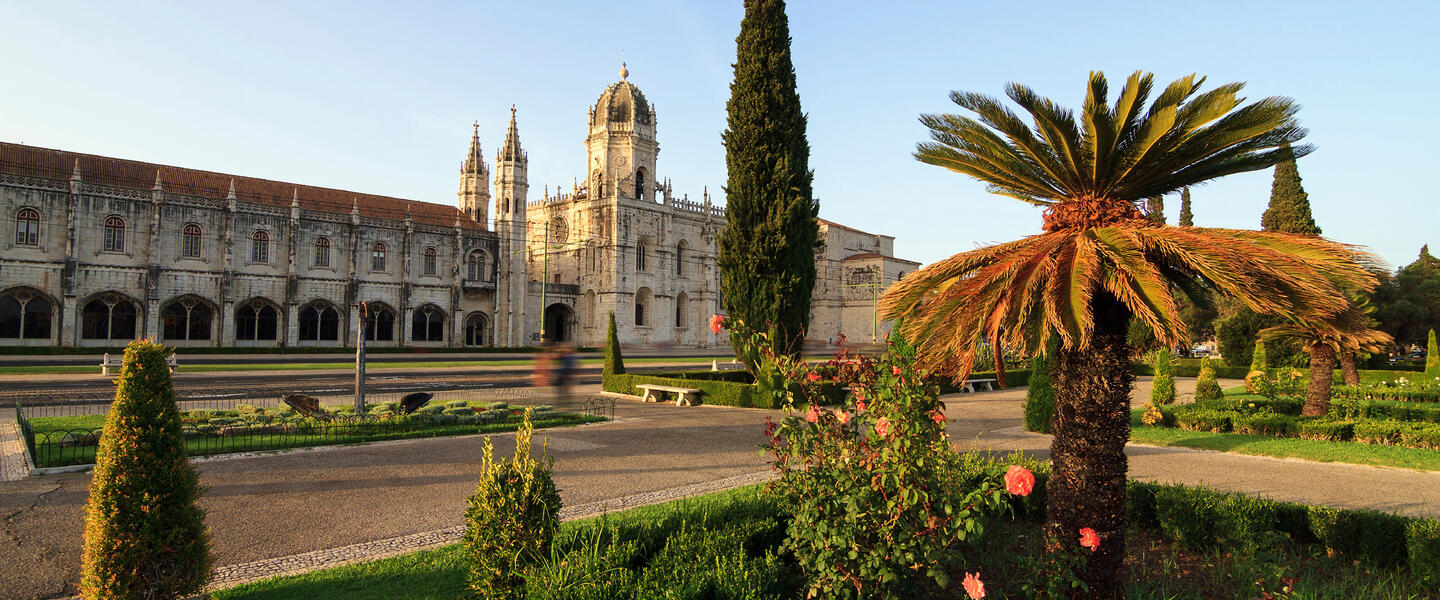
[[108, 362], [970, 385], [682, 395]]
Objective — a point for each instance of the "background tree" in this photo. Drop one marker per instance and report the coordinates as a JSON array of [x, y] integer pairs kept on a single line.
[[1408, 304], [1187, 218], [1099, 262], [767, 250], [1155, 209], [1432, 356], [1323, 340], [614, 362], [145, 533], [1289, 208], [1040, 390]]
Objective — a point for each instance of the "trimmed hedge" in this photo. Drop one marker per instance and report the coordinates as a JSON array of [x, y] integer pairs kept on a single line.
[[1347, 408], [1183, 368], [1392, 394], [1339, 426], [1204, 519]]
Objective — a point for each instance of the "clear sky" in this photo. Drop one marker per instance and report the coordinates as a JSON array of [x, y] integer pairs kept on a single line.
[[380, 97]]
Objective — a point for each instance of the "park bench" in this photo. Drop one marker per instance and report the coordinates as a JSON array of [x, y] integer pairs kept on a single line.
[[970, 385], [109, 361], [682, 395]]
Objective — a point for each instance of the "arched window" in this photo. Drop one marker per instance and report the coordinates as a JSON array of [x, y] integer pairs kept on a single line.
[[380, 325], [322, 252], [190, 241], [25, 315], [639, 183], [680, 258], [319, 322], [114, 234], [186, 319], [475, 329], [429, 262], [260, 247], [377, 257], [642, 307], [477, 266], [256, 320], [590, 309], [640, 256], [109, 317], [428, 325], [681, 306], [27, 227]]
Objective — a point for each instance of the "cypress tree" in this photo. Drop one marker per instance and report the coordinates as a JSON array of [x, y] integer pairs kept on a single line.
[[1432, 356], [1258, 360], [1187, 218], [614, 363], [1155, 209], [767, 250], [144, 530], [1040, 390], [1163, 389], [1289, 209]]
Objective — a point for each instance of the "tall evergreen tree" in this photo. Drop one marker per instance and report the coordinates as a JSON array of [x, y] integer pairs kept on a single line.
[[1187, 218], [1289, 209], [1155, 209], [614, 362], [767, 250]]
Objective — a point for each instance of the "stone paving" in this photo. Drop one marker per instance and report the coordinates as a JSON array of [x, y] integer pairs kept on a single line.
[[13, 463]]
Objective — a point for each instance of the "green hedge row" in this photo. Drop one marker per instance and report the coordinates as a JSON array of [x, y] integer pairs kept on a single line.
[[1395, 394], [1329, 428], [1184, 369], [1202, 519]]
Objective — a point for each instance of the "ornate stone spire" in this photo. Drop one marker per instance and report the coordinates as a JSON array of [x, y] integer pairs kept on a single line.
[[474, 161], [294, 195], [624, 72], [231, 195], [511, 150], [159, 186], [75, 175]]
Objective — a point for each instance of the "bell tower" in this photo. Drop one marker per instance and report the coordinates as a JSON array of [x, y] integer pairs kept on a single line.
[[474, 194], [620, 148], [511, 188]]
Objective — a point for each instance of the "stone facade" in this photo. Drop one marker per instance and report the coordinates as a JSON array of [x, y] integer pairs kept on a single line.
[[103, 250]]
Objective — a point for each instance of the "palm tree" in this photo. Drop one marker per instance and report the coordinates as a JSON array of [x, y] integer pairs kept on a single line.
[[1344, 334], [1100, 263]]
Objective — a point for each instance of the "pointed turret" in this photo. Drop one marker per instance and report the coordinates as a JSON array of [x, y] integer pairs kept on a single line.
[[75, 175], [511, 150], [474, 194], [231, 195], [474, 159], [159, 185]]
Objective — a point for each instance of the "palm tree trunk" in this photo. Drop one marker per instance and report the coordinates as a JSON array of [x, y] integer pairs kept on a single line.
[[999, 366], [1092, 424], [1347, 366], [1322, 372]]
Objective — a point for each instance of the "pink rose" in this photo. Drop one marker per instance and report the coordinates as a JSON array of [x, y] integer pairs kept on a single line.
[[973, 586], [1088, 538], [842, 416], [812, 415], [716, 323], [882, 426], [938, 416], [1019, 480]]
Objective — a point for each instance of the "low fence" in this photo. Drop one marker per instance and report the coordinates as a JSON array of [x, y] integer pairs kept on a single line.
[[65, 434]]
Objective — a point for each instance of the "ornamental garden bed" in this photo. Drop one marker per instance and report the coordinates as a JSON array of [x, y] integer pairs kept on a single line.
[[59, 441], [1186, 543]]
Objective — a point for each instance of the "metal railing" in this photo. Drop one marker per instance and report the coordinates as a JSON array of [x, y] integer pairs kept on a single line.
[[222, 422]]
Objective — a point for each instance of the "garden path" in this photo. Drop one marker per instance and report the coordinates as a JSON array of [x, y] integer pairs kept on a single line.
[[274, 510]]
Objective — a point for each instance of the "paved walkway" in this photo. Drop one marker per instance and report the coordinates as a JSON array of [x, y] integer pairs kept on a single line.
[[280, 512]]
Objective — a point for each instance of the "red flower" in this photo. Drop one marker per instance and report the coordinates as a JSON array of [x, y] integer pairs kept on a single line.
[[812, 415], [882, 426], [716, 323], [938, 416], [1088, 538], [859, 405], [1019, 480], [813, 376], [894, 370], [973, 586], [842, 416]]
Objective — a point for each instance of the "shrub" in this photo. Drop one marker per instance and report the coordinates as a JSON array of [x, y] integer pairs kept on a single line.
[[1162, 390], [1422, 541], [1203, 420], [497, 406], [245, 409], [1371, 535], [457, 404], [458, 410], [1152, 417], [512, 518], [1264, 423], [1432, 356], [1040, 395], [1325, 429], [614, 363], [1185, 516], [1207, 387], [144, 531]]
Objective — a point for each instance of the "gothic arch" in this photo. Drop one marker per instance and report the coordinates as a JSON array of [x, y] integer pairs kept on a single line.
[[111, 316], [477, 329], [380, 322], [188, 318], [27, 315], [427, 324], [643, 304], [320, 321], [259, 320]]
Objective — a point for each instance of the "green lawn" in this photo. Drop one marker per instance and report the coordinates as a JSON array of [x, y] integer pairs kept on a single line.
[[95, 369], [1280, 447]]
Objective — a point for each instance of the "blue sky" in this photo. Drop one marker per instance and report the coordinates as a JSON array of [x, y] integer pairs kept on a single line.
[[379, 97]]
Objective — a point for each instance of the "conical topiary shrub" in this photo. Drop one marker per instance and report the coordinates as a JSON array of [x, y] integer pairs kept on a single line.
[[1432, 356], [1162, 390], [1040, 392], [144, 531], [1207, 387], [614, 363], [1259, 363]]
